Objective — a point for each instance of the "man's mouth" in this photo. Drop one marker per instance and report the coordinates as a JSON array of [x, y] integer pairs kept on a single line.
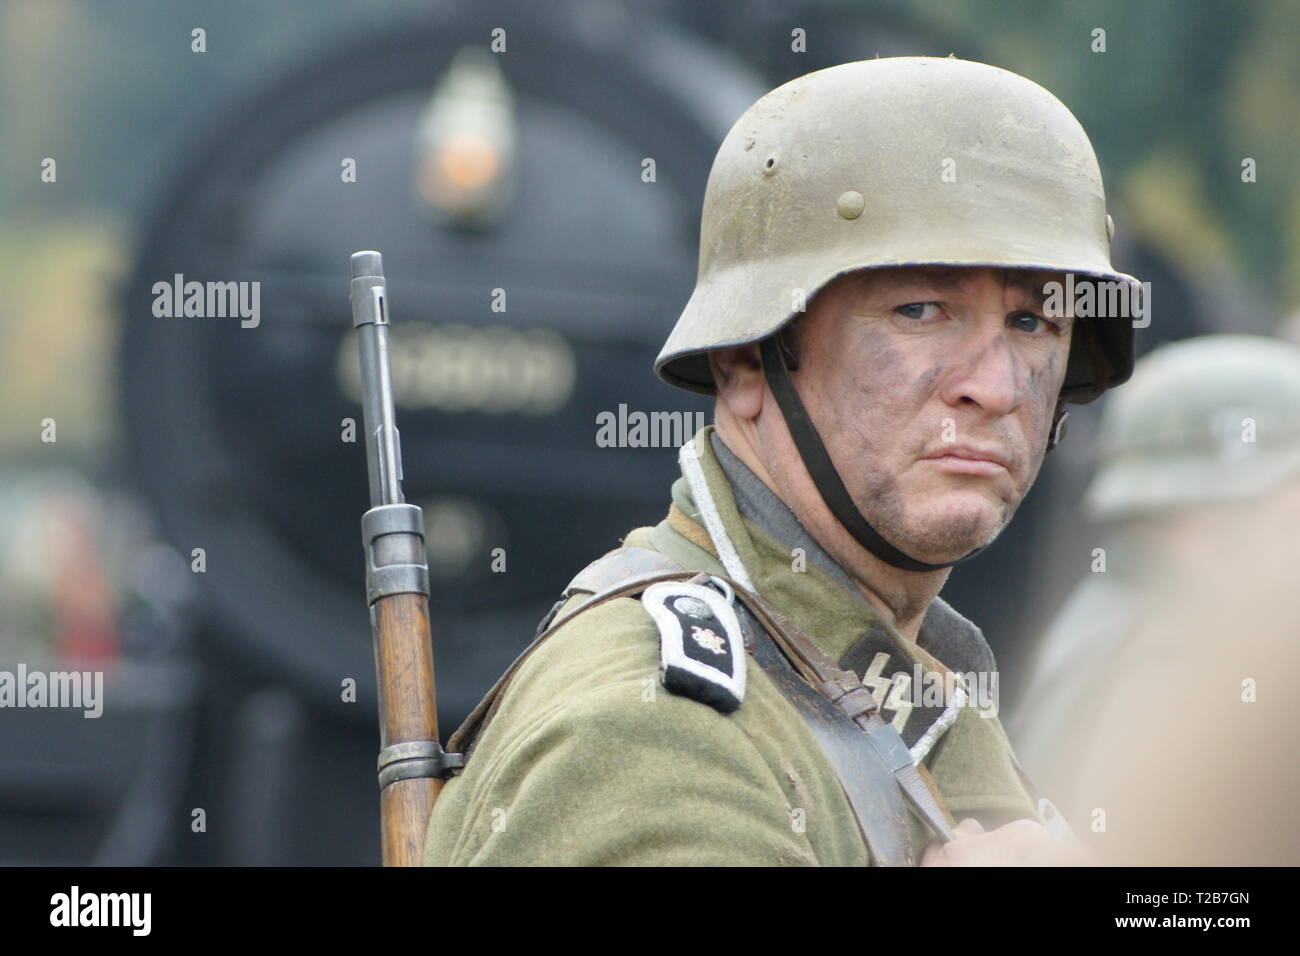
[[968, 460]]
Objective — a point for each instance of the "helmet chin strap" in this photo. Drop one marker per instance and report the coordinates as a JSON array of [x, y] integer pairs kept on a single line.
[[815, 458]]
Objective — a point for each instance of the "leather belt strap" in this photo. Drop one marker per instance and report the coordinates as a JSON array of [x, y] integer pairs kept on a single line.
[[876, 802], [845, 690]]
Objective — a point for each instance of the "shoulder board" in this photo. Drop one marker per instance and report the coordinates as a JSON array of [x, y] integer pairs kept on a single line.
[[701, 649]]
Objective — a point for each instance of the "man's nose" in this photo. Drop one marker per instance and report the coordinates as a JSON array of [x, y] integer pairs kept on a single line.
[[988, 373]]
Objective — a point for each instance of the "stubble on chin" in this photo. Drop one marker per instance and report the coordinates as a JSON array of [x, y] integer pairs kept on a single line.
[[929, 537]]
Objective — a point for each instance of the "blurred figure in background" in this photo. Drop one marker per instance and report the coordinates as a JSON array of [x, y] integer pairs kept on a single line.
[[1157, 716], [98, 683]]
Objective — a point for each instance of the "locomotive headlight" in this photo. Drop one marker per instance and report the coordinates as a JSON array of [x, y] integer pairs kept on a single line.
[[465, 143], [465, 163]]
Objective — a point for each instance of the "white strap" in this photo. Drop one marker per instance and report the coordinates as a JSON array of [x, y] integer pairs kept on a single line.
[[946, 720], [689, 458]]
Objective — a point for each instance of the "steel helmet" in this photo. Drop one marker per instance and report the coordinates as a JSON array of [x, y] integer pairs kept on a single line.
[[895, 162], [902, 161], [1211, 418]]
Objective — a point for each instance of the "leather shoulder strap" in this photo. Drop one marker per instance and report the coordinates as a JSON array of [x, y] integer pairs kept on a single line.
[[617, 566], [624, 572]]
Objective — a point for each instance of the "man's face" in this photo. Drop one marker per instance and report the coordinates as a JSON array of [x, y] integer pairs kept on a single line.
[[933, 390]]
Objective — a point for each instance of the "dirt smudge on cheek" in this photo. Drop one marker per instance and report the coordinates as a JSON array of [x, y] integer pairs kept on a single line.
[[1044, 386], [1016, 367], [878, 357], [887, 373], [925, 383], [881, 502], [874, 386], [875, 375], [1042, 375]]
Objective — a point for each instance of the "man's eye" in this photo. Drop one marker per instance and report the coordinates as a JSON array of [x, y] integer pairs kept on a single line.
[[919, 310], [1030, 322]]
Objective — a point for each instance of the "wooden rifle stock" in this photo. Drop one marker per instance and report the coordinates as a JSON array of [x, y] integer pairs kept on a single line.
[[407, 713]]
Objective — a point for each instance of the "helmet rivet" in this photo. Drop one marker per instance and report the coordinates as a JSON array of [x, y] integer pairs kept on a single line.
[[851, 204], [1110, 228]]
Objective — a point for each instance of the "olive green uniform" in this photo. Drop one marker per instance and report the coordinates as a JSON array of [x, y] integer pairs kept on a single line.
[[588, 760]]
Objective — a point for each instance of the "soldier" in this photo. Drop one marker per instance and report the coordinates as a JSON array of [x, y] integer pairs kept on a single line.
[[1200, 469], [768, 675]]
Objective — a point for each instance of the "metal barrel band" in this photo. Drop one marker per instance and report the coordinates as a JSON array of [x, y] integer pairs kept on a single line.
[[392, 519], [396, 579], [416, 758], [406, 522]]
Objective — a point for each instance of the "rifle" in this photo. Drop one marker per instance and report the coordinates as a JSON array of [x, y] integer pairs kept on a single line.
[[412, 763]]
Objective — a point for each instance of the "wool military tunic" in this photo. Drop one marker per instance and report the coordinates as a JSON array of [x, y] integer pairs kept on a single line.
[[589, 760]]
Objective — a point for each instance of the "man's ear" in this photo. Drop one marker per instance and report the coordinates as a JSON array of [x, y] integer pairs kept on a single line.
[[738, 374]]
